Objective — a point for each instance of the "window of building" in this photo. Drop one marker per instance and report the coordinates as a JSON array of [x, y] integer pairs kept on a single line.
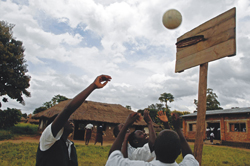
[[238, 127], [192, 127]]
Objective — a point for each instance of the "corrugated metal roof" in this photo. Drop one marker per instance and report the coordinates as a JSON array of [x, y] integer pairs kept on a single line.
[[224, 111]]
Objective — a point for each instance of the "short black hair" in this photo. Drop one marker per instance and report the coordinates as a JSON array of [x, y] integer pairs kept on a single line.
[[167, 146], [131, 139], [116, 131]]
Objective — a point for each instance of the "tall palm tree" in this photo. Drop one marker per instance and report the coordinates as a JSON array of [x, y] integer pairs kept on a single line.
[[166, 97]]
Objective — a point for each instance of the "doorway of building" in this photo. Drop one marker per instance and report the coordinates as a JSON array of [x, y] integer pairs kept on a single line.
[[79, 130], [215, 128]]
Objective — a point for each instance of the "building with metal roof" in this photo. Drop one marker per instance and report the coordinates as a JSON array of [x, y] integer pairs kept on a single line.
[[229, 126]]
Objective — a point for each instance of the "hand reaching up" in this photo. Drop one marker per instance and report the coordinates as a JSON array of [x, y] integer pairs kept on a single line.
[[132, 117], [147, 118], [162, 116], [99, 81], [176, 120]]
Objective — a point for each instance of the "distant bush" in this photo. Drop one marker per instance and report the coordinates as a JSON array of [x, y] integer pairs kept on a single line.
[[9, 117], [5, 134], [24, 128]]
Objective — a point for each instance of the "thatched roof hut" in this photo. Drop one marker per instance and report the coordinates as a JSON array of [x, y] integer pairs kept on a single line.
[[92, 111], [29, 120], [23, 120]]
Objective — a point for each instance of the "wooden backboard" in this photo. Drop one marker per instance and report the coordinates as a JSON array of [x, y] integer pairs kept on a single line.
[[219, 34]]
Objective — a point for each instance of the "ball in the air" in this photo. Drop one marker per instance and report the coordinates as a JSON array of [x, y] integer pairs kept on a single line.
[[172, 19]]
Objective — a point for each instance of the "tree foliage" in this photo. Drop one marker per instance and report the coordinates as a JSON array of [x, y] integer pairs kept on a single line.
[[39, 109], [155, 108], [24, 115], [165, 98], [128, 107], [13, 78], [54, 101], [212, 102], [152, 114], [9, 117]]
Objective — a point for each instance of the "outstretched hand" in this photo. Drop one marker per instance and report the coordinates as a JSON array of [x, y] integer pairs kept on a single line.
[[176, 120], [99, 81], [162, 116], [147, 118]]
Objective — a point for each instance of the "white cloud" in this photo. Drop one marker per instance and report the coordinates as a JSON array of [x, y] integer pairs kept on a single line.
[[69, 43]]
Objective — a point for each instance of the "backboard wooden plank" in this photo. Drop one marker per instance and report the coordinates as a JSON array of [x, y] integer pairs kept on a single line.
[[210, 23], [215, 52], [216, 32], [220, 38]]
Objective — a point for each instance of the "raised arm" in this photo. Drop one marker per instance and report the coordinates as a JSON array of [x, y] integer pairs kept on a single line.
[[124, 149], [119, 140], [185, 148], [63, 117], [152, 135], [163, 117]]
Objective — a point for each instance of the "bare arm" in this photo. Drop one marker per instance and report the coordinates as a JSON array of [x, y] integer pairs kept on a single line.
[[185, 148], [152, 135], [124, 149], [70, 108], [119, 140]]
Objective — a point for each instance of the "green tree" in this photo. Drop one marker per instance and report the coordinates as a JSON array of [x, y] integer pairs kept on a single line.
[[152, 114], [128, 107], [180, 113], [159, 106], [57, 99], [54, 101], [152, 106], [24, 115], [9, 117], [48, 104], [165, 98], [39, 109], [212, 102], [13, 81]]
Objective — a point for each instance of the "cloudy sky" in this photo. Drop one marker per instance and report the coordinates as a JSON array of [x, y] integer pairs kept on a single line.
[[70, 42]]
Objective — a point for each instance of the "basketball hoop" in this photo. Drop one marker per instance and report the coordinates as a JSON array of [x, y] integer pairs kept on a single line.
[[190, 41]]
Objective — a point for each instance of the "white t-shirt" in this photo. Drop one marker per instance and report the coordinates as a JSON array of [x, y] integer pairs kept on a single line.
[[89, 126], [212, 135], [116, 159], [142, 153], [47, 139]]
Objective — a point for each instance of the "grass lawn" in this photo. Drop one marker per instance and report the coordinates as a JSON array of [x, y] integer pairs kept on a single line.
[[24, 154]]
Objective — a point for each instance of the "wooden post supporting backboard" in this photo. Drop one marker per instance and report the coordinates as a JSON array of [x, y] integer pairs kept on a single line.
[[201, 113], [209, 41]]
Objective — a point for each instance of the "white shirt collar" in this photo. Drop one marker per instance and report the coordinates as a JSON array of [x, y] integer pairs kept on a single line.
[[69, 143]]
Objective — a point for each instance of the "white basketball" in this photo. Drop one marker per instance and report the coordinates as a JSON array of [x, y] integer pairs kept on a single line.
[[172, 19]]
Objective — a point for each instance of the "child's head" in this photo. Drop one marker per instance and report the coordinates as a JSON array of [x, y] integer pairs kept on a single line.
[[167, 146], [138, 138]]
